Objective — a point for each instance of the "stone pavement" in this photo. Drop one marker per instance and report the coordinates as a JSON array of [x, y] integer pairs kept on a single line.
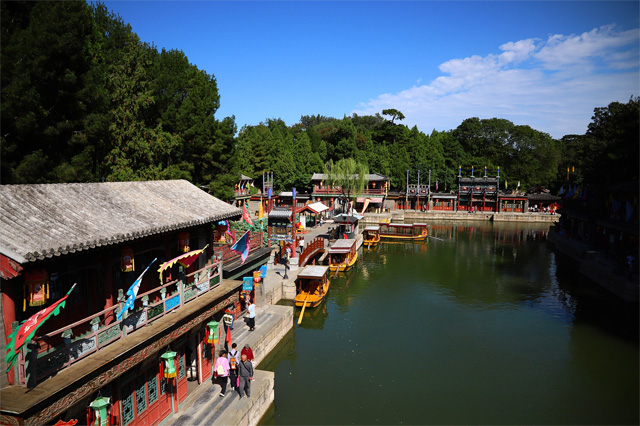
[[204, 406]]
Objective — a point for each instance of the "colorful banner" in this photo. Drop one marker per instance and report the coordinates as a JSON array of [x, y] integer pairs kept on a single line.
[[247, 283], [28, 329], [245, 214], [133, 292], [185, 260], [242, 246]]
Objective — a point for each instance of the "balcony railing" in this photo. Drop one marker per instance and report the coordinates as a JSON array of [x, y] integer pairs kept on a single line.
[[49, 353], [337, 191], [228, 255]]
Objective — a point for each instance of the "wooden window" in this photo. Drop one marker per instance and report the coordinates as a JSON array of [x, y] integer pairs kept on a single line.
[[128, 410], [152, 384], [141, 394]]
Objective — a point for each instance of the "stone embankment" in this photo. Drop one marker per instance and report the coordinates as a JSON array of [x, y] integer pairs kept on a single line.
[[418, 216]]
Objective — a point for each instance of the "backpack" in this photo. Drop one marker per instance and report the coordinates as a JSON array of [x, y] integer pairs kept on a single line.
[[220, 370], [232, 361]]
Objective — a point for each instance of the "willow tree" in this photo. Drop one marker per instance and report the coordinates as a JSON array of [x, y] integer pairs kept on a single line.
[[348, 176]]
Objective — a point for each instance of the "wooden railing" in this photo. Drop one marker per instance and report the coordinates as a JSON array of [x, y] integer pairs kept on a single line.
[[313, 247], [228, 255], [337, 190], [99, 332]]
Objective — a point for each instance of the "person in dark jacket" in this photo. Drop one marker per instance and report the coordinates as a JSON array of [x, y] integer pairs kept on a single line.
[[245, 371]]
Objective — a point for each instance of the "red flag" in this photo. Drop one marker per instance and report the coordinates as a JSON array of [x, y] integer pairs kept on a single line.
[[219, 331], [29, 327], [185, 260], [245, 215], [229, 335]]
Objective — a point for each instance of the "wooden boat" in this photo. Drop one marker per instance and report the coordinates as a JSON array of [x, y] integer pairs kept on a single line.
[[371, 236], [342, 255], [403, 231], [312, 286]]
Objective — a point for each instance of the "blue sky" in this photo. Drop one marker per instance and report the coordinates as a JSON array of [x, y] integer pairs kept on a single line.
[[546, 64]]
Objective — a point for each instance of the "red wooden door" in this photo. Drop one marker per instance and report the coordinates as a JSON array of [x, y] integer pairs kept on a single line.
[[204, 359], [182, 375]]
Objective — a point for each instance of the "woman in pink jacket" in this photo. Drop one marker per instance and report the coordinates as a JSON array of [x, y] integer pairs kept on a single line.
[[221, 371]]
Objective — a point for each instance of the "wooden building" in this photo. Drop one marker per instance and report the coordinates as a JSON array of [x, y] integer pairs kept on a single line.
[[371, 198], [243, 190], [478, 193], [101, 237]]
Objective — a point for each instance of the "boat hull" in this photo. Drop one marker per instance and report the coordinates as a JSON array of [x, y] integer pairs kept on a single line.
[[342, 266], [403, 237], [311, 303]]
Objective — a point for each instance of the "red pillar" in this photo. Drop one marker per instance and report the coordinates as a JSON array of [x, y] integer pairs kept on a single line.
[[108, 287], [9, 304]]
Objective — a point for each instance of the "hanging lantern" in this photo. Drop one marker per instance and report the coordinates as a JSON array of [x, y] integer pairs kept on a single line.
[[101, 412], [169, 364], [36, 284], [183, 242], [212, 327], [127, 263]]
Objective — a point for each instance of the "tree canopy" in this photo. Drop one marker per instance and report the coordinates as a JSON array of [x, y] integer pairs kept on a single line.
[[84, 99]]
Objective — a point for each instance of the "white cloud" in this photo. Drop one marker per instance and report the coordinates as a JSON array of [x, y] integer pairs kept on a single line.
[[551, 85]]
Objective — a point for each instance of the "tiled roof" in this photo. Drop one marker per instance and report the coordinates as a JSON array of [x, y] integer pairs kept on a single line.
[[280, 213], [543, 197], [477, 179], [46, 220]]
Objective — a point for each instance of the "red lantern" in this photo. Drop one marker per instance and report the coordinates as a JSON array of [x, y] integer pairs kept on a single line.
[[127, 263], [36, 284], [183, 242]]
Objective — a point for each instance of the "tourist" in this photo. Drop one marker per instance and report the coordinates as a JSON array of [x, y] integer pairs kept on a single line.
[[630, 260], [245, 370], [234, 358], [221, 370], [284, 260], [252, 316], [248, 352], [301, 243]]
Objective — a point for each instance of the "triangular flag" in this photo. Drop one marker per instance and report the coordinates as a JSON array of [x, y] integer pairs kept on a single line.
[[28, 329], [242, 246], [228, 337], [260, 211], [133, 292], [245, 215]]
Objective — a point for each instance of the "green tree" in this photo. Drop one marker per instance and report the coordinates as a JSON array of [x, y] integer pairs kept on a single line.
[[615, 132], [140, 151], [394, 114], [349, 176], [45, 58]]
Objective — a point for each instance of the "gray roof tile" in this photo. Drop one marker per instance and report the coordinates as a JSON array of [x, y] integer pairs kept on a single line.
[[46, 220]]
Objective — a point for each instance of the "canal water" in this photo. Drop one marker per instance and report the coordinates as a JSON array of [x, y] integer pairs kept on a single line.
[[476, 326]]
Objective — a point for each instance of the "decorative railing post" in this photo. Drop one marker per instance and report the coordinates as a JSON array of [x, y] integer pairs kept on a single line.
[[182, 282]]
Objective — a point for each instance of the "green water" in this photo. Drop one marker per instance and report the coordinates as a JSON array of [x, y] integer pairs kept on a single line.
[[477, 326]]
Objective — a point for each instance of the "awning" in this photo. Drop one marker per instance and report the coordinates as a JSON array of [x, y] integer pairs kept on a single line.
[[314, 208]]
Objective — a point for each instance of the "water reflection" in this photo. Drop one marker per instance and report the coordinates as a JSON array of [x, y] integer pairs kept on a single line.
[[475, 334]]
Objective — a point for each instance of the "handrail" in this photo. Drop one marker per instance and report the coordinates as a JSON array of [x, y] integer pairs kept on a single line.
[[314, 245]]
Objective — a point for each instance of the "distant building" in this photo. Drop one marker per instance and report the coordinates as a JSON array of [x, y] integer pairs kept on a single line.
[[371, 198]]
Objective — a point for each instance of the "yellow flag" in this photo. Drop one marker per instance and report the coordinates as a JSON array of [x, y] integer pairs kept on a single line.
[[260, 211]]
